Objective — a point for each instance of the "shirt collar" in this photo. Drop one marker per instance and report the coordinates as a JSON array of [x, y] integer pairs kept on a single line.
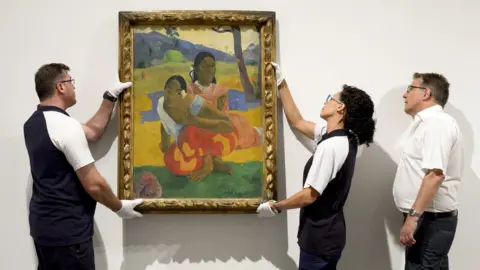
[[424, 114], [45, 108]]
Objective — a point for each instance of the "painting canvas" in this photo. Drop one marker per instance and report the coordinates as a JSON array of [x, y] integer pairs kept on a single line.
[[200, 113]]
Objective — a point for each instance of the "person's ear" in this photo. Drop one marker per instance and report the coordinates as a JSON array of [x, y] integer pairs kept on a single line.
[[340, 107], [60, 87], [427, 93]]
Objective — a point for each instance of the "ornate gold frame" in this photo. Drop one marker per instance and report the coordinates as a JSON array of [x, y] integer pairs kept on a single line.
[[265, 21]]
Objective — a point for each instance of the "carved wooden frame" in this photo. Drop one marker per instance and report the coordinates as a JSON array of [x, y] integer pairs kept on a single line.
[[265, 21]]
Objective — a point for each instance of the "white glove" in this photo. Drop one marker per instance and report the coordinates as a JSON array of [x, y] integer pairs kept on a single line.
[[127, 211], [118, 87], [279, 74], [265, 210]]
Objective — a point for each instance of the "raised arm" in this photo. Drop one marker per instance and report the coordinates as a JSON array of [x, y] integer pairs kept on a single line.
[[292, 113], [95, 127]]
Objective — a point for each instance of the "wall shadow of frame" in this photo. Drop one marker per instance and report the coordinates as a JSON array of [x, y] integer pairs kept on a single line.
[[370, 212], [264, 22]]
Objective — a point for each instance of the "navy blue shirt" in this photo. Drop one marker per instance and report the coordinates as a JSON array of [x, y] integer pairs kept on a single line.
[[61, 211]]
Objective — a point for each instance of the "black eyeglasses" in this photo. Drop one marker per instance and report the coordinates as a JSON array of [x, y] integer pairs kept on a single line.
[[410, 87], [72, 81]]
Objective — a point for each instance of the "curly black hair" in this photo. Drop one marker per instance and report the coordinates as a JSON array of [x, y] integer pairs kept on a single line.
[[359, 116]]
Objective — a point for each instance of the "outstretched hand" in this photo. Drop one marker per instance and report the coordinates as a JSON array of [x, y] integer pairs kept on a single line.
[[279, 75], [265, 210], [128, 209], [278, 70], [118, 87]]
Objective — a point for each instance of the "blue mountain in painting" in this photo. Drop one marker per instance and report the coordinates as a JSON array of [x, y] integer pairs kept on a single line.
[[153, 46]]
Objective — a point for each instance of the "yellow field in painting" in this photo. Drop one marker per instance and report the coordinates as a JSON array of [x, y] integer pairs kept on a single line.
[[146, 136]]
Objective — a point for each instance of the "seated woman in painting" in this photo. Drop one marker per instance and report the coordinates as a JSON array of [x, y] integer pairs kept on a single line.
[[204, 84], [202, 134]]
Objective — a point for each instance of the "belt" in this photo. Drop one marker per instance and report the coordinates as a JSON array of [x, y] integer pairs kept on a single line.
[[440, 214], [437, 214]]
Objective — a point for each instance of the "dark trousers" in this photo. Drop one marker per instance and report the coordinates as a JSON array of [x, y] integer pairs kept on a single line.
[[434, 237], [73, 257], [313, 262]]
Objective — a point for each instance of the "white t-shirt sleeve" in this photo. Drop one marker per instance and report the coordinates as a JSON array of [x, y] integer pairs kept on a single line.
[[438, 141], [328, 159], [308, 143], [319, 131], [68, 136]]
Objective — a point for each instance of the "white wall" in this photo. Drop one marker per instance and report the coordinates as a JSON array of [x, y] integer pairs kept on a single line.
[[373, 44]]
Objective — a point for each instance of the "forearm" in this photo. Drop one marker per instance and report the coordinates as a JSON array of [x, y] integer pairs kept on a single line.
[[300, 199], [294, 117], [96, 186], [101, 192], [100, 119], [291, 110], [428, 189]]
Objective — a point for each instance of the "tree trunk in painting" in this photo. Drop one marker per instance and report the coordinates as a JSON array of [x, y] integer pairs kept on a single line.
[[237, 47]]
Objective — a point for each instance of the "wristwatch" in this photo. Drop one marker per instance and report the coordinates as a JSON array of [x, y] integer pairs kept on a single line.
[[276, 210], [413, 213], [107, 95]]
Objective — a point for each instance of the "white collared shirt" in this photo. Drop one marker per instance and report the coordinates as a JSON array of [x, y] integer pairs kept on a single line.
[[435, 142]]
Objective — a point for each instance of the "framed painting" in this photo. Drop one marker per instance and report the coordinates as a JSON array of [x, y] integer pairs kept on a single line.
[[197, 129]]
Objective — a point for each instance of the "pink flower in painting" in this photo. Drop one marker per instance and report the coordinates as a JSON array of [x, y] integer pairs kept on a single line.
[[148, 186]]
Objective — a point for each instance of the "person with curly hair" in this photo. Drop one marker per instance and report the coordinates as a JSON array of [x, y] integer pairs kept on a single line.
[[327, 175]]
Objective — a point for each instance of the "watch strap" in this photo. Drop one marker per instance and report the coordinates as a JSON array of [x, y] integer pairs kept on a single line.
[[413, 213], [276, 210], [107, 95]]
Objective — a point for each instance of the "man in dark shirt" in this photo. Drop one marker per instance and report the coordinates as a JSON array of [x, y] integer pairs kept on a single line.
[[66, 183]]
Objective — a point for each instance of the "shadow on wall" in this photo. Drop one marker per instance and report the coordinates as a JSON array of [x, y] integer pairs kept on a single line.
[[371, 207], [370, 211], [463, 257], [28, 196], [197, 239], [99, 150]]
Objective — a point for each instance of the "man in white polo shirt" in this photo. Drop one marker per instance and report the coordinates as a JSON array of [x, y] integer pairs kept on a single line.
[[429, 174]]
